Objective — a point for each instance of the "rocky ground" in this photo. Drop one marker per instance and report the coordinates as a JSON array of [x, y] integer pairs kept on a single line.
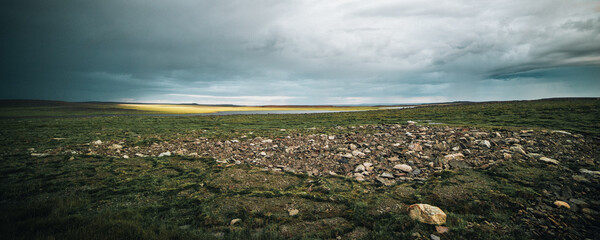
[[377, 153], [557, 169]]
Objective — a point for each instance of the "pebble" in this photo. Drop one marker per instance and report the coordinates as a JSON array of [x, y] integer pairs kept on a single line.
[[360, 168], [518, 149], [562, 204], [485, 143], [386, 175], [549, 160], [234, 221], [293, 212], [403, 167], [164, 154], [455, 156]]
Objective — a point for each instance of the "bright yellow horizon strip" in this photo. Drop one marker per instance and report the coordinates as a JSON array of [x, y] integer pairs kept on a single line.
[[190, 109]]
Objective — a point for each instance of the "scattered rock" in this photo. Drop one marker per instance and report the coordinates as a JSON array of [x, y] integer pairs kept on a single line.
[[164, 154], [357, 153], [97, 142], [415, 172], [549, 160], [430, 148], [455, 156], [597, 173], [234, 221], [360, 168], [386, 175], [403, 167], [426, 213], [115, 147], [359, 177], [434, 237], [39, 154], [518, 149], [293, 212], [385, 181], [562, 204], [562, 132], [485, 143], [415, 147]]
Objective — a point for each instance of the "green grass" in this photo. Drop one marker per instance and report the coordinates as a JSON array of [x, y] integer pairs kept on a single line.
[[184, 198], [68, 196]]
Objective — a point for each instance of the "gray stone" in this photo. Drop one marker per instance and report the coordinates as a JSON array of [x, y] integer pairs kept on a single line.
[[415, 172], [434, 237]]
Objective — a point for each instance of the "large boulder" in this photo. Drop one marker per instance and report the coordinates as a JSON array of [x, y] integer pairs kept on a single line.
[[426, 213]]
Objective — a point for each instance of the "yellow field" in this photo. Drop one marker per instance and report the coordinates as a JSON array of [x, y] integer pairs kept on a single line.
[[190, 109]]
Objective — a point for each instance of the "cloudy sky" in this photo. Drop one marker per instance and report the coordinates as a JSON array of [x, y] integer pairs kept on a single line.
[[299, 52]]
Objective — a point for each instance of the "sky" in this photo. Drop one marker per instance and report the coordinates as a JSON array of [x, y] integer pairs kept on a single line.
[[303, 52]]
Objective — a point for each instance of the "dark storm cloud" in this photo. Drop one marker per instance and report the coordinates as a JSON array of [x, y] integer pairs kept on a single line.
[[299, 52]]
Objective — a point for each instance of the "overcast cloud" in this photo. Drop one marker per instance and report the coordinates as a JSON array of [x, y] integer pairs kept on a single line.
[[299, 52]]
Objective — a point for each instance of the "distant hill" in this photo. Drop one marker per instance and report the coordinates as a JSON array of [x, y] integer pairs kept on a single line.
[[31, 103], [47, 103]]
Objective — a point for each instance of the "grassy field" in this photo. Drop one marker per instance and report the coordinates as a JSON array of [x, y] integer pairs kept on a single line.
[[67, 196], [27, 108], [191, 109]]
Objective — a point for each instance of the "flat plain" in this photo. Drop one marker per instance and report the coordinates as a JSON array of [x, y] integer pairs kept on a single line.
[[496, 169]]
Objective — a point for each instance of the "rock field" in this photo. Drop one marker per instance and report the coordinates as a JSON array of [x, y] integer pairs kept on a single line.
[[377, 153]]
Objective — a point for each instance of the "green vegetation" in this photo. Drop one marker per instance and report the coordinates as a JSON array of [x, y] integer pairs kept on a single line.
[[184, 198], [67, 196]]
